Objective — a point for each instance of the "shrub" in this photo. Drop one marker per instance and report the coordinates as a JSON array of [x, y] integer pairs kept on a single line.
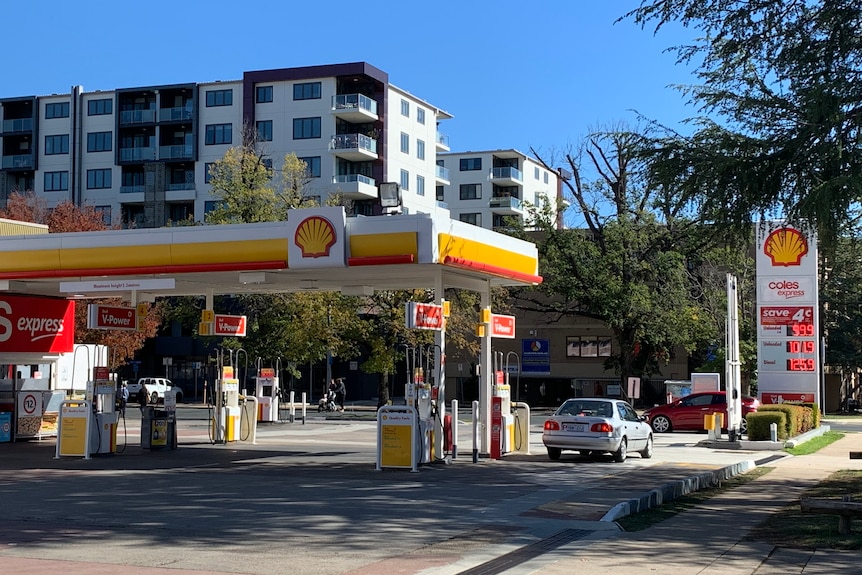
[[793, 416], [815, 411], [759, 421]]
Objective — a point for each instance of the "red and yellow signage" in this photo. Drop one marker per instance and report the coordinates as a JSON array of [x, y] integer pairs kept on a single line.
[[44, 325]]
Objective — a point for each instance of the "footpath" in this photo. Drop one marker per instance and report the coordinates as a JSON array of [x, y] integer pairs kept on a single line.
[[711, 538]]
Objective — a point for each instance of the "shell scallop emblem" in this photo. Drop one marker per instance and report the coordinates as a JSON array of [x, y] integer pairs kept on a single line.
[[314, 237], [785, 247]]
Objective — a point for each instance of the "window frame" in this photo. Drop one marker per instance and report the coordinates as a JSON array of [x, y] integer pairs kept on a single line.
[[312, 164], [63, 108], [64, 144], [96, 141], [265, 91], [313, 122], [219, 98], [211, 131], [307, 91], [470, 165], [100, 107], [93, 177], [477, 189], [267, 125], [63, 181]]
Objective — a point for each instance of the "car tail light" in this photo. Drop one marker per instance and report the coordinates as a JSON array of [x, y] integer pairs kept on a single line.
[[602, 428], [552, 425]]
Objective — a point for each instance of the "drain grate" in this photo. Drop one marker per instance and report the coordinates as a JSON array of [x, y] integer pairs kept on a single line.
[[769, 459], [524, 554]]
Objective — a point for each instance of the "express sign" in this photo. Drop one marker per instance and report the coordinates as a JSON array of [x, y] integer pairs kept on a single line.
[[42, 325]]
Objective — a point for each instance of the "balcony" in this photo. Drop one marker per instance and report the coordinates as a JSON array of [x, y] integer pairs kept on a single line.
[[508, 205], [442, 142], [132, 189], [20, 162], [442, 175], [354, 108], [354, 147], [175, 114], [17, 126], [181, 152], [181, 191], [506, 176], [131, 117], [138, 154], [356, 186]]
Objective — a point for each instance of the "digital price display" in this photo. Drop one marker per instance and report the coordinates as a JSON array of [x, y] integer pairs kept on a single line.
[[801, 364], [800, 330], [797, 353]]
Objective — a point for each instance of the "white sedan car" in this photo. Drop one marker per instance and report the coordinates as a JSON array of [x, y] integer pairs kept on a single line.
[[597, 425]]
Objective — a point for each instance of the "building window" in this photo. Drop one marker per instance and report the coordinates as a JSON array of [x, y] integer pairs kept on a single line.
[[475, 218], [471, 191], [57, 110], [405, 180], [536, 172], [471, 164], [105, 212], [405, 143], [264, 131], [100, 107], [546, 177], [211, 205], [312, 169], [99, 179], [441, 194], [267, 163], [405, 108], [207, 175], [420, 149], [218, 134], [56, 181], [420, 115], [306, 128], [420, 185], [263, 94], [99, 142], [219, 98], [588, 346], [56, 144], [306, 91]]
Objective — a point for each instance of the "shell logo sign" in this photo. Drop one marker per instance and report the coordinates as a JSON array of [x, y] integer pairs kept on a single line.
[[785, 247], [315, 236]]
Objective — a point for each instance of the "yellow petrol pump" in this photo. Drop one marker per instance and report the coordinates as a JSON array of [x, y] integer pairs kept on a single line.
[[227, 411]]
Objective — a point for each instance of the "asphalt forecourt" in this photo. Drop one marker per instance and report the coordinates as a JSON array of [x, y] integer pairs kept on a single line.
[[306, 498]]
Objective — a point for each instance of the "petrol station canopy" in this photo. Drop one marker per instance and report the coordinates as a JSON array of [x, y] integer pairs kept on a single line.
[[315, 249]]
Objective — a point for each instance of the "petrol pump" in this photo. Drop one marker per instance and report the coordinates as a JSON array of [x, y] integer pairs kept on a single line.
[[266, 393], [502, 419], [227, 412], [101, 392], [418, 394]]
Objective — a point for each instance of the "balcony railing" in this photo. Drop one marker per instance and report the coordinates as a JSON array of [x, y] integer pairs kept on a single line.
[[508, 173], [132, 189], [180, 152], [349, 102], [20, 162], [442, 173], [507, 202], [137, 154], [17, 125], [354, 142], [442, 140], [350, 178], [180, 187], [138, 116], [168, 114]]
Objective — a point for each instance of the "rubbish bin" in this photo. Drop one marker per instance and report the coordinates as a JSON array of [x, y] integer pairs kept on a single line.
[[158, 429], [5, 427]]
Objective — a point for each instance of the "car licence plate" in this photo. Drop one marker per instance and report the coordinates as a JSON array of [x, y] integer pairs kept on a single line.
[[574, 427]]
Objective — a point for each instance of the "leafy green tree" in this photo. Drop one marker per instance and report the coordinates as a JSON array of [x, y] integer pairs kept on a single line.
[[841, 295], [781, 105], [628, 266]]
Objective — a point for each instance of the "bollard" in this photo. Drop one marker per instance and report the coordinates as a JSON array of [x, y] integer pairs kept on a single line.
[[475, 432], [454, 428], [292, 406], [773, 432], [304, 405]]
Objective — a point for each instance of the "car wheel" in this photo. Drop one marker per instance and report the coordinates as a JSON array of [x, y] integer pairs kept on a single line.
[[554, 453], [154, 398], [621, 453], [661, 424], [646, 453]]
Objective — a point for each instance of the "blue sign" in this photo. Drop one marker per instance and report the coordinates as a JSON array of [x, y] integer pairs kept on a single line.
[[536, 356], [5, 427]]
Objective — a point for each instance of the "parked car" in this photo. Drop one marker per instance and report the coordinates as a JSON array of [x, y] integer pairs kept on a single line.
[[156, 388], [597, 425], [687, 413]]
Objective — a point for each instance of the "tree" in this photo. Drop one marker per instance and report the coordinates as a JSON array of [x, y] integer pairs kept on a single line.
[[628, 266], [781, 104], [67, 217]]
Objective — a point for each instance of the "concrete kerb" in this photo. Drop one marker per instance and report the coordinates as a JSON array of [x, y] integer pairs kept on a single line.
[[676, 489]]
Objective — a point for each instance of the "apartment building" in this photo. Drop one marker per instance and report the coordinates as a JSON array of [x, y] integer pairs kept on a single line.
[[488, 188], [141, 156]]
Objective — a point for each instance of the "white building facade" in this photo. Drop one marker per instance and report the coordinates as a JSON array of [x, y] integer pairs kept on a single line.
[[141, 156]]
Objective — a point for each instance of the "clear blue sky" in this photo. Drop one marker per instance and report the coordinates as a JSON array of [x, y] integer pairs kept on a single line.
[[513, 74]]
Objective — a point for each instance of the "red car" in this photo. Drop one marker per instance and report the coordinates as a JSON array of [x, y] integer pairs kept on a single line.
[[687, 412]]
